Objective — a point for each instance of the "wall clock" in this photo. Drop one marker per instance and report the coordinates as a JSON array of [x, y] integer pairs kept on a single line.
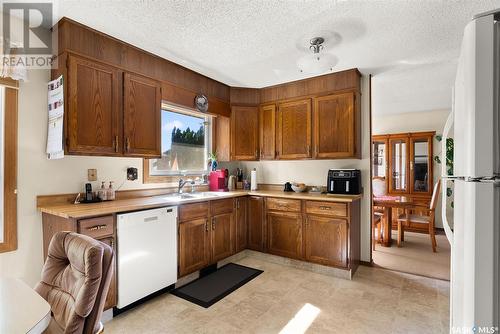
[[201, 102]]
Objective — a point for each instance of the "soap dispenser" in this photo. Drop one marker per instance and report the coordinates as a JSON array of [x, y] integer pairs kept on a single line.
[[111, 192], [102, 192]]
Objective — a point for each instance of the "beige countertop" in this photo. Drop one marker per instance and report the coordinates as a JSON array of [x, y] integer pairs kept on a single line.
[[77, 211]]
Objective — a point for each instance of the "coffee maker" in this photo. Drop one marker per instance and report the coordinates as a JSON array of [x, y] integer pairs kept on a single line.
[[217, 180]]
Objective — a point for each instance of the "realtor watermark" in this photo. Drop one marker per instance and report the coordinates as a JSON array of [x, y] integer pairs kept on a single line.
[[475, 330], [26, 37]]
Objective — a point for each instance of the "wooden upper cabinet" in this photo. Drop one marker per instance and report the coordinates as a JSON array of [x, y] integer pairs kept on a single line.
[[94, 125], [244, 133], [267, 131], [326, 240], [222, 138], [334, 126], [294, 130], [142, 116]]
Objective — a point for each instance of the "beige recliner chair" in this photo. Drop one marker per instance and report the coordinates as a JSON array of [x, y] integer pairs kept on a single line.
[[75, 282]]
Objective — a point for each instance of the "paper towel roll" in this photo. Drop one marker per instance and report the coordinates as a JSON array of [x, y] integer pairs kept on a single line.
[[253, 179]]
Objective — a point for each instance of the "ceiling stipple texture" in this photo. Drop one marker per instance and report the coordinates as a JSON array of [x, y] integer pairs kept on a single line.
[[409, 46]]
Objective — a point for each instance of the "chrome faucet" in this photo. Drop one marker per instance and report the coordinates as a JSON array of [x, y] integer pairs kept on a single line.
[[182, 183]]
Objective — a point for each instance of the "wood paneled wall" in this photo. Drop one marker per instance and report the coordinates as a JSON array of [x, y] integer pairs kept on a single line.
[[325, 84], [244, 96], [182, 83]]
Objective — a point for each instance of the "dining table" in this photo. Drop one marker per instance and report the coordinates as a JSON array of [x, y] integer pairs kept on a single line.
[[22, 309], [388, 203]]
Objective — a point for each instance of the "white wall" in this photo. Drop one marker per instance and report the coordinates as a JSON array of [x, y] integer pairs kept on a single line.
[[39, 176], [314, 172], [415, 122]]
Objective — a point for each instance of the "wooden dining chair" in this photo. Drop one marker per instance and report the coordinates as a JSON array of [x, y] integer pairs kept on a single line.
[[376, 226], [429, 219], [379, 188]]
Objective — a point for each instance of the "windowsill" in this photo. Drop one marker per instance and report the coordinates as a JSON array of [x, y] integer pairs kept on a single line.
[[147, 178]]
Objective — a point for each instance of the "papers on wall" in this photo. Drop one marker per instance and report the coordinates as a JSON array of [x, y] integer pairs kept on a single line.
[[55, 149]]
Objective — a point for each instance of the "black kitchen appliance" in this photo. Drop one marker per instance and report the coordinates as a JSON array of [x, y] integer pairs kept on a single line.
[[344, 181]]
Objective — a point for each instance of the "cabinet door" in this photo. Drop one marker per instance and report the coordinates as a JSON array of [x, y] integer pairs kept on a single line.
[[334, 126], [111, 299], [222, 137], [244, 133], [241, 224], [256, 224], [194, 251], [222, 236], [294, 130], [326, 240], [284, 234], [398, 155], [421, 165], [94, 108], [142, 116], [267, 130]]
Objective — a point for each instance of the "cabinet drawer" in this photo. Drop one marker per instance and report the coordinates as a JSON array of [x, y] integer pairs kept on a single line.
[[193, 211], [222, 206], [326, 208], [97, 227], [282, 204]]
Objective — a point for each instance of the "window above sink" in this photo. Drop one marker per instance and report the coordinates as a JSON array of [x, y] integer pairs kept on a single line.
[[185, 146]]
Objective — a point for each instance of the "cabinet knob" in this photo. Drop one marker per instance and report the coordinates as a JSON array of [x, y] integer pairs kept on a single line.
[[213, 224], [206, 225]]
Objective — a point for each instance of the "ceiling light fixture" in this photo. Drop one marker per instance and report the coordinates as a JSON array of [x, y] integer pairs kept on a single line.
[[317, 62]]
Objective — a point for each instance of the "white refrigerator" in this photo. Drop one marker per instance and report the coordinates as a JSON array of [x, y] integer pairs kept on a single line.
[[473, 231]]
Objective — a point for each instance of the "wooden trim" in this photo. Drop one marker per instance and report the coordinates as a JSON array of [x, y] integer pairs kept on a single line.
[[8, 82], [146, 178], [10, 172], [371, 172]]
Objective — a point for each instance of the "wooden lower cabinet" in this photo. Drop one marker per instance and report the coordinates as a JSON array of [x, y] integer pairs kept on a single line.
[[326, 240], [112, 297], [194, 245], [256, 223], [206, 234], [241, 239], [222, 236], [284, 234]]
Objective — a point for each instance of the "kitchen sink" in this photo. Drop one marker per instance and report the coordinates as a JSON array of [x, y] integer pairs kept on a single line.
[[202, 194]]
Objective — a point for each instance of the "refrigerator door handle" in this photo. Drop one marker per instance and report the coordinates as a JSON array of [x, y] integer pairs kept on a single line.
[[444, 174], [446, 224]]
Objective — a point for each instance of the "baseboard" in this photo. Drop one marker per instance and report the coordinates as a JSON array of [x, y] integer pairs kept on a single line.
[[366, 263]]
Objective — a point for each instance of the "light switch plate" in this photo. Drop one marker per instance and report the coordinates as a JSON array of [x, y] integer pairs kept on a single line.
[[92, 174]]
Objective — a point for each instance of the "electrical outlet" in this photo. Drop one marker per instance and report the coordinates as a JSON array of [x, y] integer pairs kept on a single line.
[[131, 173], [92, 174]]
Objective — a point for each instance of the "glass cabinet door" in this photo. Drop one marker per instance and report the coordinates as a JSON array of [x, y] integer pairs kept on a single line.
[[399, 169], [379, 161], [420, 173]]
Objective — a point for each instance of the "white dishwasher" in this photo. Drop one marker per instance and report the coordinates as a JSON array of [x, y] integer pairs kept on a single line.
[[147, 253]]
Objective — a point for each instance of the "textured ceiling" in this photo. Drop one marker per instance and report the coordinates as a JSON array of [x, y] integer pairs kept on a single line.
[[409, 46]]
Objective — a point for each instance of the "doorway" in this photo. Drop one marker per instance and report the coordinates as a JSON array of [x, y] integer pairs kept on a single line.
[[407, 234]]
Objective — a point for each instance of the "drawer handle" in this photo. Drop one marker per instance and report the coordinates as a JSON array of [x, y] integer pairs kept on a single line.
[[97, 227], [325, 208]]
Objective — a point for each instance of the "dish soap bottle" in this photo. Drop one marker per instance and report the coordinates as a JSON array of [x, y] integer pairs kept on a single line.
[[102, 192], [111, 192]]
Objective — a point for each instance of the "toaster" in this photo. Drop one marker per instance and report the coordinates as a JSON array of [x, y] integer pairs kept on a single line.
[[344, 181]]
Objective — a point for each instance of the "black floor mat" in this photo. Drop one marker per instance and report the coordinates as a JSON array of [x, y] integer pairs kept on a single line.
[[208, 290]]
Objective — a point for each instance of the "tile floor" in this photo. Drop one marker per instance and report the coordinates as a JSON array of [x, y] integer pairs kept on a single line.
[[290, 300]]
